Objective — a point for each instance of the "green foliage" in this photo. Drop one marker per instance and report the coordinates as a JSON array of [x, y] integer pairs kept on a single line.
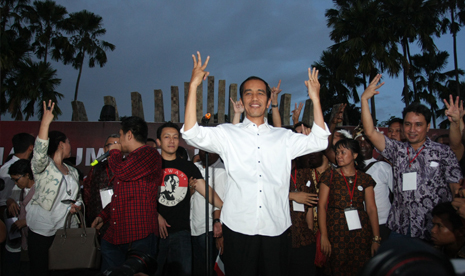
[[37, 29]]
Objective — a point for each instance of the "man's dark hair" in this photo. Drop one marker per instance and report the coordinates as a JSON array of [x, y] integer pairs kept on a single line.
[[418, 108], [22, 141], [21, 167], [395, 120], [167, 124], [299, 124], [114, 135], [151, 140], [446, 208], [181, 152], [55, 137], [137, 126], [268, 89], [354, 147]]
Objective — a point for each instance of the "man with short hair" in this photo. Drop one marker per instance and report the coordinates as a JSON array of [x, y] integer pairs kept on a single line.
[[448, 232], [381, 172], [175, 247], [395, 129], [425, 173], [217, 179], [99, 179], [132, 211], [23, 145], [257, 158]]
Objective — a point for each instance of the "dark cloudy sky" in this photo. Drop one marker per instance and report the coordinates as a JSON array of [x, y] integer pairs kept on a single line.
[[155, 40]]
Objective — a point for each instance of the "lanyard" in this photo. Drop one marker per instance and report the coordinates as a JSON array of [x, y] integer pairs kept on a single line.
[[108, 175], [316, 175], [294, 179], [348, 188], [408, 156]]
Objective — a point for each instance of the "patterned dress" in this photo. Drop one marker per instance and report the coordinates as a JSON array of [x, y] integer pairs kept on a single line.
[[350, 250]]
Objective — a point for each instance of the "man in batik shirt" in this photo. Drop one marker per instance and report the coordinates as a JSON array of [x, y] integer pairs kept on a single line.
[[425, 173]]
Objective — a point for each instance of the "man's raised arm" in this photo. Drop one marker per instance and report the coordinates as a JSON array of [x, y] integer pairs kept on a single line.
[[375, 137], [198, 75], [313, 87]]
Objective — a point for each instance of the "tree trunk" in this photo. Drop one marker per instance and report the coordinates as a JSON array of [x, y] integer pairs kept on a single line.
[[412, 77], [456, 66], [405, 66], [79, 78]]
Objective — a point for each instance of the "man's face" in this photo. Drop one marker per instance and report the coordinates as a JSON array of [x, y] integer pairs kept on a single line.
[[254, 98], [337, 136], [20, 180], [169, 140], [110, 141], [124, 140], [415, 128], [395, 131], [442, 232], [366, 149]]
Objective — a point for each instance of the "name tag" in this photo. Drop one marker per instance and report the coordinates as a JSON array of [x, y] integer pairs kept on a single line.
[[352, 218], [308, 183], [105, 196], [298, 207], [409, 181]]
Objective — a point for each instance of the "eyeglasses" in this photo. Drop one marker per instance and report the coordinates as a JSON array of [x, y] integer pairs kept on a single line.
[[16, 179]]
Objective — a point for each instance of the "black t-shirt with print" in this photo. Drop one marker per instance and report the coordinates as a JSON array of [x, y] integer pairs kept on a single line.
[[174, 196]]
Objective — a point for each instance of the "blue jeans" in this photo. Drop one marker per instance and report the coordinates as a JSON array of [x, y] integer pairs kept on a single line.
[[175, 254], [114, 255], [198, 249]]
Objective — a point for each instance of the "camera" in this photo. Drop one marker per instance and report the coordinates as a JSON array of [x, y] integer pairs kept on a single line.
[[136, 261]]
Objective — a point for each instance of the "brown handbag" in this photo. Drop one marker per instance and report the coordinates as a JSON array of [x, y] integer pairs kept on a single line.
[[74, 248]]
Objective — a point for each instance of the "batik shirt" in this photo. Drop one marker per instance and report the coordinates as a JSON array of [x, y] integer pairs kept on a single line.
[[436, 167]]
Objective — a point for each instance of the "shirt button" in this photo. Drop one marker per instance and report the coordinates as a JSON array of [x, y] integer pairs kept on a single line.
[[258, 161], [258, 147], [117, 182], [113, 209], [116, 195], [260, 175], [260, 192], [259, 206], [115, 221], [258, 133]]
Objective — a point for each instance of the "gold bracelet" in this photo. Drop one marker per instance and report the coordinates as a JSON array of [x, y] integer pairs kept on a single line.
[[377, 239]]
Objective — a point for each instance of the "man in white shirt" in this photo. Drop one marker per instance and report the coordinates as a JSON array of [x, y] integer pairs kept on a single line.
[[217, 179], [257, 158], [381, 172]]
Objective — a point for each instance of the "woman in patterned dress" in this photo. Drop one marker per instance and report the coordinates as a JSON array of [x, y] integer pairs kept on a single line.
[[347, 188]]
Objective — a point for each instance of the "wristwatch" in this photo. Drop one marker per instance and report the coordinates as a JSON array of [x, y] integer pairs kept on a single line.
[[274, 105], [216, 220]]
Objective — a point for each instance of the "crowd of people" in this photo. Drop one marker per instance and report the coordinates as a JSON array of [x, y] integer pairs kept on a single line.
[[300, 200]]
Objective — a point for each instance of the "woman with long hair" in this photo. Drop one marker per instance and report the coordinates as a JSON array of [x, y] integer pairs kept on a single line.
[[349, 234], [57, 184]]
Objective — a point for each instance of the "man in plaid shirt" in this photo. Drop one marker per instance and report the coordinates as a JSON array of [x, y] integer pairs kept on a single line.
[[132, 212]]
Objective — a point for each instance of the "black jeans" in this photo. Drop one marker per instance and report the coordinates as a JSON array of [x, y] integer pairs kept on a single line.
[[255, 255]]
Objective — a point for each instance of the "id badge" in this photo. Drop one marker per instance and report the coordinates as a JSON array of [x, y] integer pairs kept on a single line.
[[409, 181], [352, 218], [298, 207], [105, 196]]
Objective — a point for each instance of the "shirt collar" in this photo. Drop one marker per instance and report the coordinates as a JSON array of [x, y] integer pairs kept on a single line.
[[246, 123]]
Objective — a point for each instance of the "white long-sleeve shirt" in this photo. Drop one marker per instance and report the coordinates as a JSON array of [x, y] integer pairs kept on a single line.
[[217, 179], [258, 162]]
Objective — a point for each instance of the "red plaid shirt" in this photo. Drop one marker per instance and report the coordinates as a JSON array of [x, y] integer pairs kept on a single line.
[[132, 212]]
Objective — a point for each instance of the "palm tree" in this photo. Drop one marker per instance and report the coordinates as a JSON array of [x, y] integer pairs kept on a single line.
[[46, 20], [362, 39], [14, 41], [31, 83], [86, 27], [430, 79], [452, 23], [410, 21]]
